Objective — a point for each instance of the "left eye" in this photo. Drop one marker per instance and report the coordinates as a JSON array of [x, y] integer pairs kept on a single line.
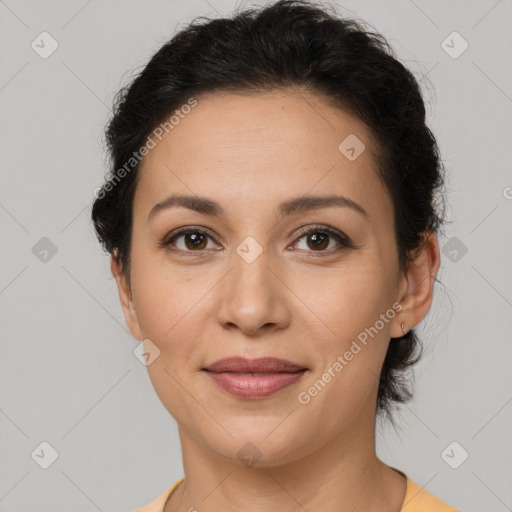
[[318, 240]]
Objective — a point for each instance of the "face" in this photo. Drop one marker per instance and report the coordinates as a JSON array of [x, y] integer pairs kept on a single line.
[[259, 275]]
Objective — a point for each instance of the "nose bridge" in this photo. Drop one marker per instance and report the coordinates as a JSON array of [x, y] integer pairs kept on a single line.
[[251, 266], [252, 296]]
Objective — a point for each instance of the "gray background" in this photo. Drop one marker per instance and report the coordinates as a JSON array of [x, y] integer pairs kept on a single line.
[[68, 375]]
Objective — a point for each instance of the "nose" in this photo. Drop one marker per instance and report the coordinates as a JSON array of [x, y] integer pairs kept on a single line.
[[254, 296]]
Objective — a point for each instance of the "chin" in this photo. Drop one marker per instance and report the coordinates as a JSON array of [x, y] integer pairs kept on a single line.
[[261, 444]]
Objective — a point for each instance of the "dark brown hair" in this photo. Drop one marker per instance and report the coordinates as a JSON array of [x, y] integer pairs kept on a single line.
[[290, 43]]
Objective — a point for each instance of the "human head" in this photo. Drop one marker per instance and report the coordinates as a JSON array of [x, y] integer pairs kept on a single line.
[[290, 44]]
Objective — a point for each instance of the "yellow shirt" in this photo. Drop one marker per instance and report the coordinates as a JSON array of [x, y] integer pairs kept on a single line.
[[416, 499]]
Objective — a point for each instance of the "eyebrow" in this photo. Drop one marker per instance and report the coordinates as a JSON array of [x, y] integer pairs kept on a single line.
[[296, 205]]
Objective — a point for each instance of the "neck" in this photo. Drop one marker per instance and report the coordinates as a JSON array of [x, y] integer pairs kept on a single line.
[[342, 475]]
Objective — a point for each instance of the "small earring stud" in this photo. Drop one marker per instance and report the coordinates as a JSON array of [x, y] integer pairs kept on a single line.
[[403, 327]]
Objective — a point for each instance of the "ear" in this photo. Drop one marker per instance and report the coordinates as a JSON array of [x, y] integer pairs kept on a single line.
[[417, 287], [125, 296]]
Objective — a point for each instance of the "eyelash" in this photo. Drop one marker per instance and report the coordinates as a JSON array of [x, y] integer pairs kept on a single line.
[[343, 240]]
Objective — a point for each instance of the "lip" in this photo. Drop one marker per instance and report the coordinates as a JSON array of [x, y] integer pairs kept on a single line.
[[254, 378], [259, 365]]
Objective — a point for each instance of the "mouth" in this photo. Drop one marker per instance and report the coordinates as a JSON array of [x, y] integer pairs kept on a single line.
[[254, 378]]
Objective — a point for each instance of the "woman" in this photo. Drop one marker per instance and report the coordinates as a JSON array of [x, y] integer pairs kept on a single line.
[[272, 213]]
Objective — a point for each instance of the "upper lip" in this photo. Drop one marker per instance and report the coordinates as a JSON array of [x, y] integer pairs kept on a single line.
[[260, 365]]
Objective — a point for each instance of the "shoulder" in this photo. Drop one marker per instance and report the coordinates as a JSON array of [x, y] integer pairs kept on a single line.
[[157, 505], [418, 499]]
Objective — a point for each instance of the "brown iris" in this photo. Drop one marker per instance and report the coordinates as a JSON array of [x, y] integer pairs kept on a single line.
[[195, 241], [320, 241]]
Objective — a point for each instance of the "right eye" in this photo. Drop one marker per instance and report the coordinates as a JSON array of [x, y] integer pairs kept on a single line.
[[188, 240]]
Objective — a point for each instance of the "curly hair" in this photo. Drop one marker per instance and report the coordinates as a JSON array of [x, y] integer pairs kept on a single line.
[[290, 43]]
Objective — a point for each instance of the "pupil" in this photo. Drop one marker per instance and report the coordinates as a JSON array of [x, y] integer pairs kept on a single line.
[[195, 239], [318, 240]]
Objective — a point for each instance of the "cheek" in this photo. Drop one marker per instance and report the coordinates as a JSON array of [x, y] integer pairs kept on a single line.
[[172, 311], [167, 316], [162, 298], [348, 326], [341, 303]]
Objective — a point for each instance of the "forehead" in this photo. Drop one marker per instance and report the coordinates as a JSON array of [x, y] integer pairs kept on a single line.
[[261, 148]]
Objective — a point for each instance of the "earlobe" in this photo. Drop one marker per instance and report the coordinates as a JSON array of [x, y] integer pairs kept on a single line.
[[125, 297], [419, 285]]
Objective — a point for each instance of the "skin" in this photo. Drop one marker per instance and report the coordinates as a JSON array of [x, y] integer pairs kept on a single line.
[[249, 153]]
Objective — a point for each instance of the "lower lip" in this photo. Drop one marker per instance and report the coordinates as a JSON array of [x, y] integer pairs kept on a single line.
[[245, 385]]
